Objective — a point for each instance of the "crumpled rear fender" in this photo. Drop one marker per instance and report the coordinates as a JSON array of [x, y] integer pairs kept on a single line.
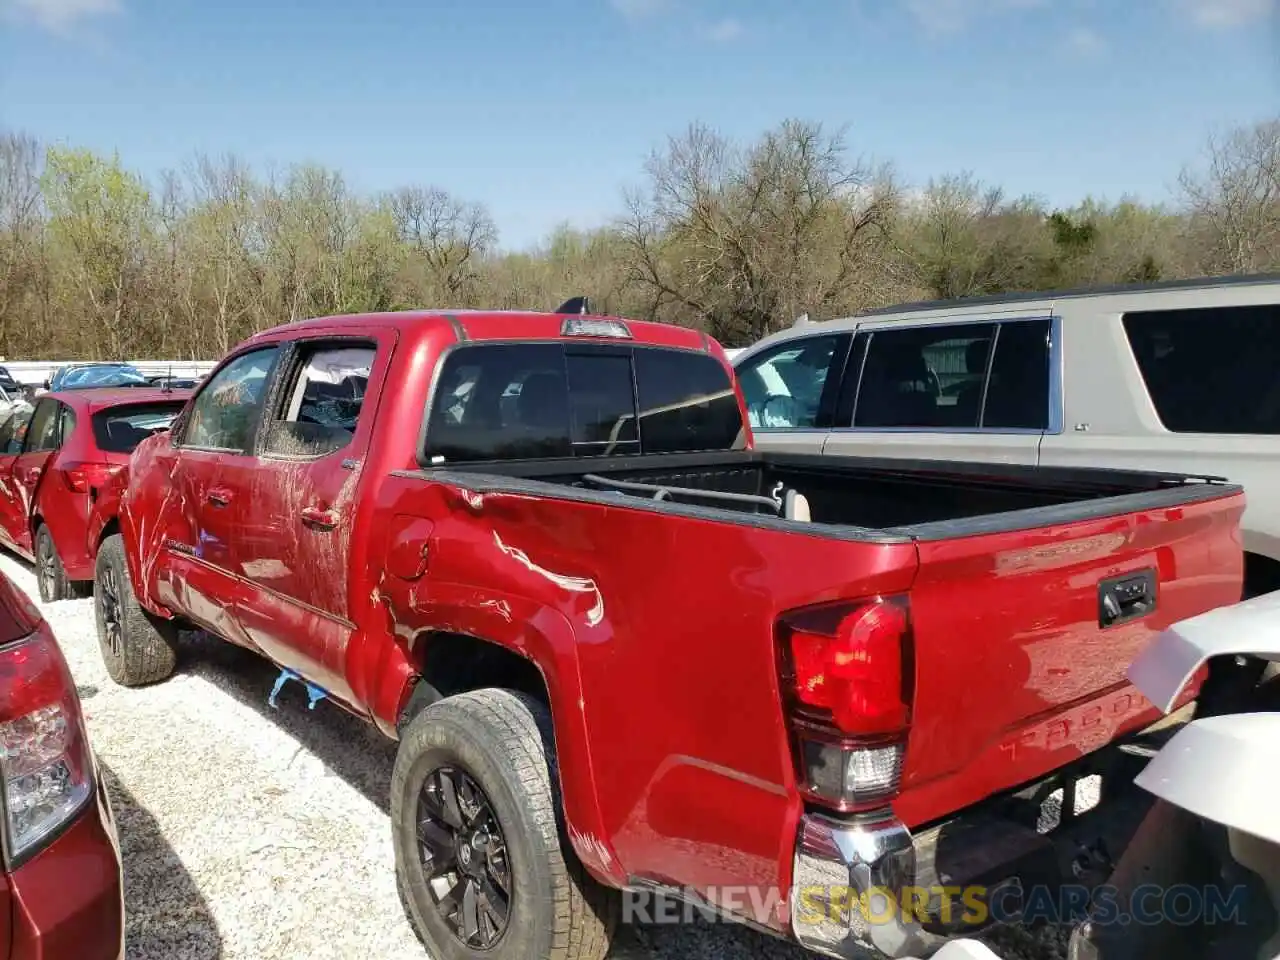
[[382, 668], [1222, 769], [1166, 666]]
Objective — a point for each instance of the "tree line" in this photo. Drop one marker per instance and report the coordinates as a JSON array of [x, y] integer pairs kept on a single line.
[[738, 239]]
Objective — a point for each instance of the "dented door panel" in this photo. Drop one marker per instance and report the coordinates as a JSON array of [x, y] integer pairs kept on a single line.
[[294, 545]]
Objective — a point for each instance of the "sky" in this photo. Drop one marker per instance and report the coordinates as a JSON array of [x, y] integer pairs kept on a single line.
[[545, 110]]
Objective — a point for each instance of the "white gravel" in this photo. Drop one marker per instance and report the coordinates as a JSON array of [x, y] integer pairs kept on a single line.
[[257, 834]]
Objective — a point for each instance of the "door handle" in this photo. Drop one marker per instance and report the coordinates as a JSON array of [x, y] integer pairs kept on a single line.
[[219, 496], [318, 518]]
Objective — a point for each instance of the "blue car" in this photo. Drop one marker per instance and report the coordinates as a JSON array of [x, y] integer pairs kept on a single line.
[[83, 376]]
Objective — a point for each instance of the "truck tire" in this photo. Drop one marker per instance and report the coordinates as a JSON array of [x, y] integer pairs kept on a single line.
[[51, 576], [137, 647], [466, 765]]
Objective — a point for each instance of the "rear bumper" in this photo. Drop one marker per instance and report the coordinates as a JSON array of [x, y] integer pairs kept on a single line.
[[868, 886], [68, 900], [843, 877]]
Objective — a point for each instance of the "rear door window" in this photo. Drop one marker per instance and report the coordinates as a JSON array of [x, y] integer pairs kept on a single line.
[[1018, 391], [924, 377], [535, 400], [1210, 370], [120, 429], [323, 400], [966, 376]]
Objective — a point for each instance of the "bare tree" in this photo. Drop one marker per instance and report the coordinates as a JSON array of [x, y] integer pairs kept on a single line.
[[21, 228], [1234, 201], [747, 238], [445, 236]]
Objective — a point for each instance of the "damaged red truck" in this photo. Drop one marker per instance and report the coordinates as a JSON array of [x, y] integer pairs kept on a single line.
[[621, 650]]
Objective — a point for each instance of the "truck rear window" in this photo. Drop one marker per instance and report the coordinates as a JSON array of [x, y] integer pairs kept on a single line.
[[120, 429], [515, 401]]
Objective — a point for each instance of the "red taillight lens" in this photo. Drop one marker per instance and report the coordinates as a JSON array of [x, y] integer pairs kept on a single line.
[[46, 770], [81, 477], [847, 684], [855, 670]]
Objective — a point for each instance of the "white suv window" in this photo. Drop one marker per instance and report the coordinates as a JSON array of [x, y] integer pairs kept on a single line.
[[1210, 370], [945, 377], [783, 386]]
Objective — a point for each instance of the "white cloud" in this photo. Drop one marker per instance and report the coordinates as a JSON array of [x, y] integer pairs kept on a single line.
[[1085, 42], [726, 30], [59, 15], [1228, 13], [951, 16], [640, 9]]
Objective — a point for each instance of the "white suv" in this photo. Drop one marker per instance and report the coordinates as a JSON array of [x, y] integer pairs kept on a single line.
[[1181, 376]]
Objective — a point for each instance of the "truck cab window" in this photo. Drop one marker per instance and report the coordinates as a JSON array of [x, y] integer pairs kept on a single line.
[[322, 403], [532, 400], [687, 402], [783, 387], [223, 414], [602, 405]]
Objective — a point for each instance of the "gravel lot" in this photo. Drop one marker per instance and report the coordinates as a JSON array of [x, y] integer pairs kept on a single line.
[[255, 834]]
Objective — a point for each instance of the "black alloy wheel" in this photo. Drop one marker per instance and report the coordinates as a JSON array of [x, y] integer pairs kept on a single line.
[[47, 565], [108, 598], [464, 858]]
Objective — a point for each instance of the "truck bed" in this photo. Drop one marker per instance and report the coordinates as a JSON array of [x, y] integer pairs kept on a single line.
[[868, 498], [674, 573]]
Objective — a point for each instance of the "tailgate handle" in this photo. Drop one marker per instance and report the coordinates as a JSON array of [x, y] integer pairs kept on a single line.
[[1121, 599]]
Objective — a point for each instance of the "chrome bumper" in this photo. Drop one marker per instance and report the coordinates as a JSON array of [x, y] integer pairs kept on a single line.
[[846, 881]]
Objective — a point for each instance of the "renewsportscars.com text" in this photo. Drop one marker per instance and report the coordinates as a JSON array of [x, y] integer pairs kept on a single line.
[[974, 906]]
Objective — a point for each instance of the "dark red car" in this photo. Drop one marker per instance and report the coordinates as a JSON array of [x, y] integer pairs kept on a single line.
[[61, 890], [53, 459]]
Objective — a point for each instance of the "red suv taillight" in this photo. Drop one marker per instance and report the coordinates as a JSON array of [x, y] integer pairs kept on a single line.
[[82, 476], [846, 682], [46, 770]]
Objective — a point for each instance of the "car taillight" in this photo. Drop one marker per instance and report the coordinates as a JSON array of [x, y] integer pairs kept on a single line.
[[80, 477], [846, 680], [46, 770]]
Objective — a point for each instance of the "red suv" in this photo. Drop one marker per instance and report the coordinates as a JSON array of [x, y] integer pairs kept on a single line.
[[55, 457], [61, 890]]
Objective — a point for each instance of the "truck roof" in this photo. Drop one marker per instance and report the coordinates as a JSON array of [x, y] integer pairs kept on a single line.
[[503, 325]]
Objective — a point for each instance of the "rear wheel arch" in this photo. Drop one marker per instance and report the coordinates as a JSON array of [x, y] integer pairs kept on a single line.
[[109, 529], [453, 663], [449, 663]]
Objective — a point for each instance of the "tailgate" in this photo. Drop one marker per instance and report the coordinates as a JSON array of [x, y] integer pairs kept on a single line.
[[1020, 656]]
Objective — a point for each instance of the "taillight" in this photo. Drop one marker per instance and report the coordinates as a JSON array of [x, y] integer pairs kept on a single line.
[[81, 477], [46, 770], [847, 680]]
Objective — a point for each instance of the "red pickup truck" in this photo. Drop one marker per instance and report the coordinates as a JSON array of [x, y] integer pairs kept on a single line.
[[620, 649]]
